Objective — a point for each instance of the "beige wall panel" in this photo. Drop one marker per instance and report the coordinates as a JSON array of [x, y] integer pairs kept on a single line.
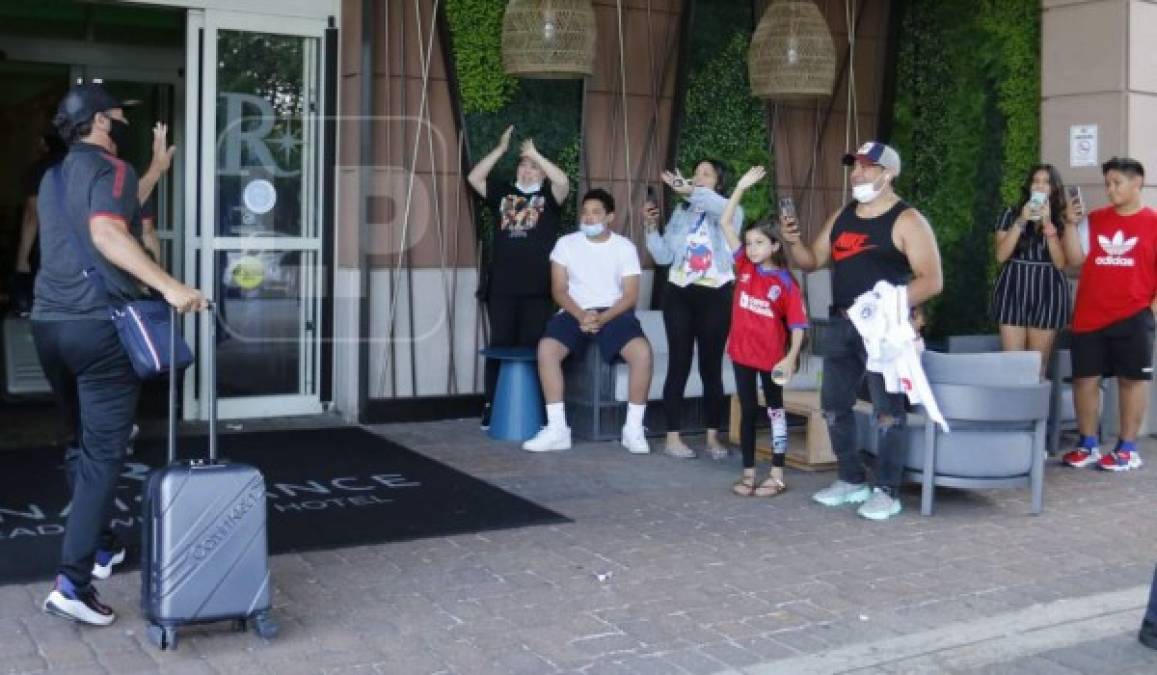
[[1107, 111], [1068, 65], [1143, 47], [1143, 133]]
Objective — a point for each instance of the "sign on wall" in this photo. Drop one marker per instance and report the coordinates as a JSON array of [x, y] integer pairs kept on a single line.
[[1083, 145]]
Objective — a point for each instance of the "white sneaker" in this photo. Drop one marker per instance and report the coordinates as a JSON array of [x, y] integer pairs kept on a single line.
[[104, 561], [64, 601], [549, 439], [635, 441]]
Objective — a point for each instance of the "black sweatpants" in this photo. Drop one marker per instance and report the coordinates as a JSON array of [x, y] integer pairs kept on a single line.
[[749, 406], [93, 382], [695, 316], [515, 321]]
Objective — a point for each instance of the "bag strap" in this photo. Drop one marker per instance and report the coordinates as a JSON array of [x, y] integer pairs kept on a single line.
[[89, 270]]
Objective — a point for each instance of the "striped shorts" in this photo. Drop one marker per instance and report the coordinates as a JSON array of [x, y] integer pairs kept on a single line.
[[1031, 294]]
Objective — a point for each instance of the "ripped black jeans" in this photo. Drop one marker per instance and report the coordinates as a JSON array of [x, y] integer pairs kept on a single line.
[[843, 373]]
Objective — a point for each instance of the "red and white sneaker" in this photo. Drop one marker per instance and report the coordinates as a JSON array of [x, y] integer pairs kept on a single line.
[[1121, 460], [1082, 457]]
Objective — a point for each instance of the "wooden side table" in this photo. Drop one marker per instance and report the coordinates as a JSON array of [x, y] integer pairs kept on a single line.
[[815, 451]]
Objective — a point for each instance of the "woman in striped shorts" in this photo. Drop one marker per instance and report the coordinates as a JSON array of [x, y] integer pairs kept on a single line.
[[1031, 301]]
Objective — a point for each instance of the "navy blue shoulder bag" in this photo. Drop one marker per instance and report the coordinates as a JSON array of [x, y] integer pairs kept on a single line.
[[143, 325]]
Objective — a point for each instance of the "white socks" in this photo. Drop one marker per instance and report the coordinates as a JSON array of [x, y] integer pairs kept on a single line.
[[556, 415], [778, 430], [635, 415]]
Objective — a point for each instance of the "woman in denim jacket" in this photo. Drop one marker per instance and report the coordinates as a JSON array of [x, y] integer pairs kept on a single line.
[[697, 303]]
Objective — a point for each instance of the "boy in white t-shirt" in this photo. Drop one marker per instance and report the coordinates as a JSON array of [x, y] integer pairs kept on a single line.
[[595, 280]]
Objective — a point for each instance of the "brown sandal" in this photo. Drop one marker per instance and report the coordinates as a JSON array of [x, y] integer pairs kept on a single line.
[[744, 487], [770, 487]]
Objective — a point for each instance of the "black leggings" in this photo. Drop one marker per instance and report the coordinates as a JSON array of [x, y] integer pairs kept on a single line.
[[749, 405], [695, 316], [515, 321]]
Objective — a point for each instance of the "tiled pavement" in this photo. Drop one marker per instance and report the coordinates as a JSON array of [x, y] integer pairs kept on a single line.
[[664, 571]]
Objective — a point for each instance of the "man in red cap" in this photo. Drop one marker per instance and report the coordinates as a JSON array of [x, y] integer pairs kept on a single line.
[[876, 237]]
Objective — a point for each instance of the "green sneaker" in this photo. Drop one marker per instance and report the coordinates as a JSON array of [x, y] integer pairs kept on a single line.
[[841, 492], [881, 506]]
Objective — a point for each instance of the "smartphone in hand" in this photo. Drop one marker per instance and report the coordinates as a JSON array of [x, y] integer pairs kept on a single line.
[[787, 208], [1073, 192]]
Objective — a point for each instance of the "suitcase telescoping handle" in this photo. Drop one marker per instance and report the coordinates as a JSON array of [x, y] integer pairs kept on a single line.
[[211, 356]]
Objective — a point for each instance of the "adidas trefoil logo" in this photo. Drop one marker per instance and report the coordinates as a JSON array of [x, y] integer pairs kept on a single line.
[[1116, 247]]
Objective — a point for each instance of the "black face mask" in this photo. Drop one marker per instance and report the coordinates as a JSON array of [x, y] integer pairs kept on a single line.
[[119, 133]]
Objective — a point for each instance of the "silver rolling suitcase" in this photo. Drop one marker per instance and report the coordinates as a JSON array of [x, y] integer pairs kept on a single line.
[[204, 554]]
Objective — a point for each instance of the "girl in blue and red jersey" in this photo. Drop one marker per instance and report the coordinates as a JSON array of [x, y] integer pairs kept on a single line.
[[766, 307]]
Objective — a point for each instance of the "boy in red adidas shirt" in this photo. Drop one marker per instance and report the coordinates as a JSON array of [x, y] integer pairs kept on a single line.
[[766, 304], [1113, 322]]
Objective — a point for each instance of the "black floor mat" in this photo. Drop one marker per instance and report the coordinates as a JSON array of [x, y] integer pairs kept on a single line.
[[327, 488]]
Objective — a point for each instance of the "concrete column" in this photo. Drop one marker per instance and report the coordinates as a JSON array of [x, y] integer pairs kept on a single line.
[[1099, 68]]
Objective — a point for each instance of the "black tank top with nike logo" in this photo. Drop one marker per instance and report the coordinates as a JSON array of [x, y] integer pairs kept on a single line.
[[863, 253]]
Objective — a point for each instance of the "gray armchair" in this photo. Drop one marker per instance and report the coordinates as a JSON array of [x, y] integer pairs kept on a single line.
[[973, 344], [997, 408]]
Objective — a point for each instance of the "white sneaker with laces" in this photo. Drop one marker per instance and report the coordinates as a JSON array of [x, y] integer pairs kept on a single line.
[[549, 439], [635, 441]]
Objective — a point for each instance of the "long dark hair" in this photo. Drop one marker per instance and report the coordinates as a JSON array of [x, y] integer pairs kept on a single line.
[[1056, 194], [770, 229], [720, 173]]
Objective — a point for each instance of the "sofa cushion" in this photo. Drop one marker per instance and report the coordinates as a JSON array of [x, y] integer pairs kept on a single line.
[[652, 322], [694, 387]]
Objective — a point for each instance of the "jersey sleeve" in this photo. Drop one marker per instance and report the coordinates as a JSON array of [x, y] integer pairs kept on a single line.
[[796, 312], [742, 262], [114, 194]]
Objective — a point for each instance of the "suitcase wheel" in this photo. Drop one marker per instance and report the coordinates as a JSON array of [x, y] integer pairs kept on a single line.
[[264, 626], [162, 637]]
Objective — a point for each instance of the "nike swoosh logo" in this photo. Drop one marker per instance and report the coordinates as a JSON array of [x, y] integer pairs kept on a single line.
[[843, 253]]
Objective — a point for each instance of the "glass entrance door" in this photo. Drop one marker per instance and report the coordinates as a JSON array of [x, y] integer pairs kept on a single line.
[[257, 245]]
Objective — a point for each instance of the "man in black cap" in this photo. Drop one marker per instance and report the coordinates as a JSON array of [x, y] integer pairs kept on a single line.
[[876, 237], [90, 199]]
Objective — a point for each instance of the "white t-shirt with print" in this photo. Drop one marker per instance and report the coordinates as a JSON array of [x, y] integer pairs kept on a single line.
[[595, 270]]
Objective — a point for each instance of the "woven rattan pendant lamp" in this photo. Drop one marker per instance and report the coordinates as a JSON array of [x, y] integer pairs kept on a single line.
[[548, 39], [792, 55]]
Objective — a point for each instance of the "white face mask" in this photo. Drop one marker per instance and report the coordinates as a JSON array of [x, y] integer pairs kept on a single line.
[[592, 230], [868, 192], [528, 189]]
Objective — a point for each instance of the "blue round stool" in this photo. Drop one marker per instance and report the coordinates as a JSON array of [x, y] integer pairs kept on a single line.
[[516, 414]]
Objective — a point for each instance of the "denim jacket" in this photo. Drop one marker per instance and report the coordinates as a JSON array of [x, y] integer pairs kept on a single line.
[[670, 248]]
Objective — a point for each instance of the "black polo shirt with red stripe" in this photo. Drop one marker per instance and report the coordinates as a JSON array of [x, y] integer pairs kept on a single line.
[[94, 183]]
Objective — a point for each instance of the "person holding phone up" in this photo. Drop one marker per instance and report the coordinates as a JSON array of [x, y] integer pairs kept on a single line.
[[697, 300], [1035, 241]]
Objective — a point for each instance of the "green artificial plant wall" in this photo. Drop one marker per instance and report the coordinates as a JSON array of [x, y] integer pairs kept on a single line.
[[721, 119], [966, 122], [547, 111]]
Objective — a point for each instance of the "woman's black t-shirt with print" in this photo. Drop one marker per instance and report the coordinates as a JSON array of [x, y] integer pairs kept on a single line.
[[526, 228]]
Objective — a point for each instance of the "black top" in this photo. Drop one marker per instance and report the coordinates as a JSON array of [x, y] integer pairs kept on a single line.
[[31, 187], [863, 254], [95, 183], [526, 228], [1031, 246]]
